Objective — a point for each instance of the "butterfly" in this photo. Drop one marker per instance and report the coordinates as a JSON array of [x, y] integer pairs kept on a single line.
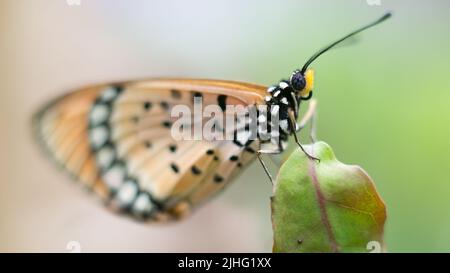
[[117, 138]]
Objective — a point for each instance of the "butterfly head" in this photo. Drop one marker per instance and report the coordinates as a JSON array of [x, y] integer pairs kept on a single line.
[[302, 80], [287, 95], [302, 83]]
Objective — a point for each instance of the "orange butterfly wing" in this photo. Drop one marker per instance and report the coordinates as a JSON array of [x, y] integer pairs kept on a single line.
[[116, 140]]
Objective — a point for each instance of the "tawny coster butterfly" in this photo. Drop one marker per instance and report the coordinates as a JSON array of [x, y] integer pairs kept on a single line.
[[116, 138]]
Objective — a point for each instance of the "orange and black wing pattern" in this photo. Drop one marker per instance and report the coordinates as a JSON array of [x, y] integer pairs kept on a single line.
[[116, 139]]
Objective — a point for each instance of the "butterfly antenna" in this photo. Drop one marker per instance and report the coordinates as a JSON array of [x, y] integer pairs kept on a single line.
[[325, 49]]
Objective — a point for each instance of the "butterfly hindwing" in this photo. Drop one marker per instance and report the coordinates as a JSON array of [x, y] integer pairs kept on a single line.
[[62, 127], [117, 140]]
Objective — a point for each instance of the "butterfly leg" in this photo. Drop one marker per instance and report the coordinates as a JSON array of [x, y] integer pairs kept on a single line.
[[259, 155], [309, 114]]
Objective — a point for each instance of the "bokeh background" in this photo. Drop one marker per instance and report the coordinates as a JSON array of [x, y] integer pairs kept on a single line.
[[383, 104]]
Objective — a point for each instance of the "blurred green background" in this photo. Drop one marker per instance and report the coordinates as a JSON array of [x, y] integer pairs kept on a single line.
[[383, 104]]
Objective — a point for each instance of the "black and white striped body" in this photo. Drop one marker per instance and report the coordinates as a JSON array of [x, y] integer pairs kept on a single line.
[[279, 101]]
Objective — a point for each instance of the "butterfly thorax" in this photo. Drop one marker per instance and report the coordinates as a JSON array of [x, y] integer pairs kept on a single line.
[[280, 100]]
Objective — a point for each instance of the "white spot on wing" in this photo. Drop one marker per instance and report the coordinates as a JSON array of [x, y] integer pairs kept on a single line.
[[99, 114], [108, 94], [114, 176], [99, 136], [127, 193], [105, 157], [142, 204]]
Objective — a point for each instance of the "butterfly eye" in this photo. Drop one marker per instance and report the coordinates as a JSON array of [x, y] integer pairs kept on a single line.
[[298, 81]]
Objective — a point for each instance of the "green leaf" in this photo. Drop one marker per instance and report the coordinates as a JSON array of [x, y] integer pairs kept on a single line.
[[325, 206]]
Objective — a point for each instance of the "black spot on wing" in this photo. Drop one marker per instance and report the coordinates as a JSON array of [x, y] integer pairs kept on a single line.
[[147, 105], [250, 150], [174, 167], [222, 102], [119, 88], [195, 170], [173, 148], [217, 178], [176, 94], [167, 123], [164, 105]]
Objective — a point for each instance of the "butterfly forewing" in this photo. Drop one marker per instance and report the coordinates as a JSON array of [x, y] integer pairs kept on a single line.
[[116, 139]]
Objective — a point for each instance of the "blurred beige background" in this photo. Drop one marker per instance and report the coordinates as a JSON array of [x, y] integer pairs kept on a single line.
[[383, 104]]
